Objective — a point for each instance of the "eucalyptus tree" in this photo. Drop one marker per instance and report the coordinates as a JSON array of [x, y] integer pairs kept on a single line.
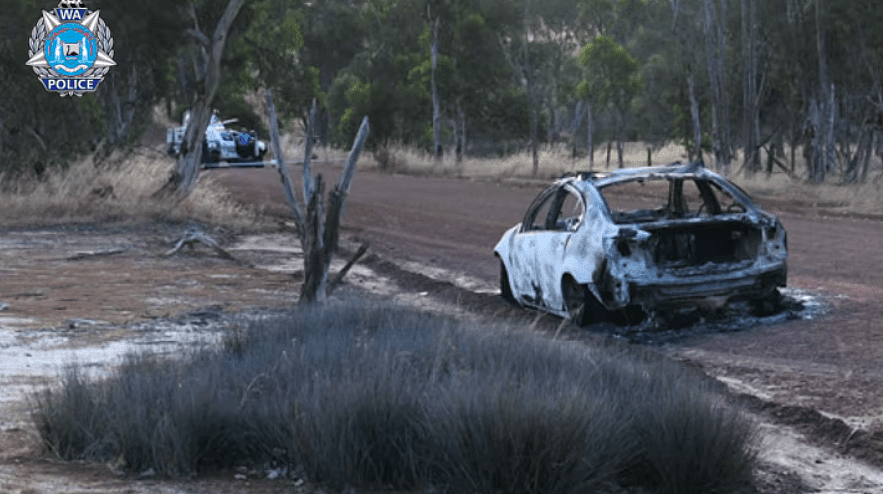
[[613, 79], [333, 34], [182, 179], [715, 20]]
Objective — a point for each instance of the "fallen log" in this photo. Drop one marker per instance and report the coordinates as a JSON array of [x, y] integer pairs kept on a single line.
[[193, 236], [338, 278], [97, 253]]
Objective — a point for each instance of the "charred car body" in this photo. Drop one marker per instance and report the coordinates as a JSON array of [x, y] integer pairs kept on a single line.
[[221, 143], [658, 238]]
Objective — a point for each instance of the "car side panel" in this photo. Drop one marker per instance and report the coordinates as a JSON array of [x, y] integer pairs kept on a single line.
[[541, 253], [586, 253]]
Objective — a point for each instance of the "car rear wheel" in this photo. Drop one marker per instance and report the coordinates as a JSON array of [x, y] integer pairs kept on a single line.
[[582, 306], [768, 304], [505, 287]]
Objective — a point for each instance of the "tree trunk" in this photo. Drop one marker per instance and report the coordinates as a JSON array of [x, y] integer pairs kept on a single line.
[[575, 125], [853, 163], [552, 130], [590, 135], [620, 134], [436, 105], [694, 113], [314, 249], [534, 140], [461, 135], [830, 118], [183, 178], [318, 231], [816, 160], [750, 124], [844, 140], [531, 99], [714, 71], [866, 159], [724, 118], [823, 141]]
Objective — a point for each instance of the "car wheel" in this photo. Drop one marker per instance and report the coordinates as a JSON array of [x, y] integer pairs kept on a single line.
[[505, 287], [582, 306], [767, 305]]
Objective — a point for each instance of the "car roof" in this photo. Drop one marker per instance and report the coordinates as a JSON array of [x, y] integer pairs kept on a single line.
[[600, 179]]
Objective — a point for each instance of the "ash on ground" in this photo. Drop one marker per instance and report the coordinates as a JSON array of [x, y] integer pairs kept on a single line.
[[657, 328]]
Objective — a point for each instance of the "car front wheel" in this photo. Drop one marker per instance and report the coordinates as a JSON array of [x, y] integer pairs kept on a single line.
[[505, 287]]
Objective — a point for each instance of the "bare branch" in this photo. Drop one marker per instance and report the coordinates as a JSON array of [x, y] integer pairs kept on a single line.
[[212, 77], [347, 176], [338, 278], [308, 152], [98, 253], [192, 236], [199, 36], [339, 192], [283, 167]]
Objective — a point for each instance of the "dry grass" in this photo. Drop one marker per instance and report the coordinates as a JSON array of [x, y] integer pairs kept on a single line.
[[866, 198], [553, 161], [556, 159], [118, 189]]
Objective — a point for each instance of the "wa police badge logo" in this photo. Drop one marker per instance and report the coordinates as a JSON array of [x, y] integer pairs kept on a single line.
[[70, 49]]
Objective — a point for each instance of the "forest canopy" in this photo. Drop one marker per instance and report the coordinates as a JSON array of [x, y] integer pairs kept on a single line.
[[794, 84]]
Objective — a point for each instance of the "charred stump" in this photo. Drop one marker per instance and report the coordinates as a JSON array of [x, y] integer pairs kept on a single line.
[[317, 227]]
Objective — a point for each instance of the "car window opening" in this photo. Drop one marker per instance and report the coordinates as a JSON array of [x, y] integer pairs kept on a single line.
[[557, 209], [658, 206], [650, 200]]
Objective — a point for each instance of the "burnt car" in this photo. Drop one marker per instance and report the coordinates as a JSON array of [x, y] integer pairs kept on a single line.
[[656, 238]]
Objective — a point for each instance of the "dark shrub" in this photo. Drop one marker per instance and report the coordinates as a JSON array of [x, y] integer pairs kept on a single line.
[[389, 397]]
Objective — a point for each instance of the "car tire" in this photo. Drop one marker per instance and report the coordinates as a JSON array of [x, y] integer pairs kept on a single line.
[[505, 287], [767, 305], [582, 306]]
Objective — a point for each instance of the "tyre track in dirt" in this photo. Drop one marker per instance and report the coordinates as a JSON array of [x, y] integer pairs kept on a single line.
[[832, 361]]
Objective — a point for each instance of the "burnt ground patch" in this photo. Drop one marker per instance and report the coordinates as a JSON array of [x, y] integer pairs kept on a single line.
[[652, 330], [660, 328]]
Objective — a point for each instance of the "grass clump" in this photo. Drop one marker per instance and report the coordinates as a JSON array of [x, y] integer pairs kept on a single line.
[[119, 188], [392, 398]]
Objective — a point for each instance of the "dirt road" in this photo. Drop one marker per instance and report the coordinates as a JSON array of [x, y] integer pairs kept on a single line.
[[830, 364]]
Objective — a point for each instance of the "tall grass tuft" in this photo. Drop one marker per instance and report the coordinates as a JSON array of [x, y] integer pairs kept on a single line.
[[391, 398]]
